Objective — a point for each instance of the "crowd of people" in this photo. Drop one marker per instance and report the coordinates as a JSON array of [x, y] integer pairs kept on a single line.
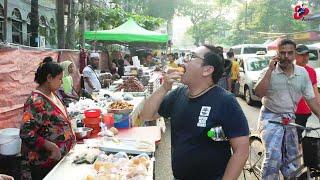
[[209, 83]]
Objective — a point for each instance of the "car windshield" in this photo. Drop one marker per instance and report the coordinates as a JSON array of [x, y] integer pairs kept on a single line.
[[257, 64], [253, 50]]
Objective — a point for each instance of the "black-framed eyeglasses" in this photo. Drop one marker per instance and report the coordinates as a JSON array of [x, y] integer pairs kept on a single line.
[[194, 55]]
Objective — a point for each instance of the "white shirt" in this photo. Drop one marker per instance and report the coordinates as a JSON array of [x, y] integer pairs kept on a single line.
[[88, 72], [180, 60], [285, 92]]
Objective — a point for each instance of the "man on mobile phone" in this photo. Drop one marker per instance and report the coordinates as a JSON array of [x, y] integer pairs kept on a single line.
[[281, 86]]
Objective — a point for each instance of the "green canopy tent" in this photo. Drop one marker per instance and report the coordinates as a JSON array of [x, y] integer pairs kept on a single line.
[[128, 33]]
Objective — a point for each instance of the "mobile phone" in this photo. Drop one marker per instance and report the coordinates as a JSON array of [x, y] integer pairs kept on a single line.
[[278, 57]]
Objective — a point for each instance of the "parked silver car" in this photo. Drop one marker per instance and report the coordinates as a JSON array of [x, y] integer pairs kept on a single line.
[[250, 70]]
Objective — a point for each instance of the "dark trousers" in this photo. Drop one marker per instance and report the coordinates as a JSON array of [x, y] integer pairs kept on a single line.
[[301, 119], [38, 173], [235, 87]]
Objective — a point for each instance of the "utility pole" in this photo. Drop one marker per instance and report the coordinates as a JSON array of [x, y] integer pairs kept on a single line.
[[5, 21], [70, 37], [81, 22], [91, 21], [60, 23], [245, 21], [34, 24]]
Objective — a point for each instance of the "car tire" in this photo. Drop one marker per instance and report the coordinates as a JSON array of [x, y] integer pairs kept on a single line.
[[247, 96]]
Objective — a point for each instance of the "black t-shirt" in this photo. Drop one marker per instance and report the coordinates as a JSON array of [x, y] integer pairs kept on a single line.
[[120, 64], [194, 155]]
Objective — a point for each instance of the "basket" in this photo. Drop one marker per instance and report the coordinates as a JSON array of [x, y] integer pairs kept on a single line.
[[311, 152]]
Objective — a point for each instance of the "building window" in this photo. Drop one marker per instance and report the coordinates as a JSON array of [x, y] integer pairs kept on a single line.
[[16, 26], [1, 23]]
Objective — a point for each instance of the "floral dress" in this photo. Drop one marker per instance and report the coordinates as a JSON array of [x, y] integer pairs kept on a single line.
[[44, 120]]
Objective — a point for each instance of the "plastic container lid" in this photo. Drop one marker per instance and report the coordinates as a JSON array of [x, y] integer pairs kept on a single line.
[[10, 132]]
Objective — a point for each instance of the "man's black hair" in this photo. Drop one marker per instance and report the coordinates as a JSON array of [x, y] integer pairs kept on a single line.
[[149, 54], [285, 42], [215, 60], [230, 54]]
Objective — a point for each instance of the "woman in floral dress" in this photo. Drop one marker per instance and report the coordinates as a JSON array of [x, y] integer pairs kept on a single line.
[[46, 131]]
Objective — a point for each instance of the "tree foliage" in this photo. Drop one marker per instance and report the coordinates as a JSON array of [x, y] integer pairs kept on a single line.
[[114, 17], [263, 19], [209, 24]]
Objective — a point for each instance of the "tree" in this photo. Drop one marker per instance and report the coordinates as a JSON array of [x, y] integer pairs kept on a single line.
[[70, 36], [60, 23], [265, 17], [165, 9], [205, 21], [115, 17], [34, 23]]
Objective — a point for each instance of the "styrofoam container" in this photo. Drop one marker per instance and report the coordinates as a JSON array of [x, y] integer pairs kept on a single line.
[[10, 141]]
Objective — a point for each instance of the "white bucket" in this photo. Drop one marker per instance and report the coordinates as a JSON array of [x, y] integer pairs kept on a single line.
[[10, 141]]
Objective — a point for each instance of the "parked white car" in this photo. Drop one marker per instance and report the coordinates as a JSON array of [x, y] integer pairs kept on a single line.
[[243, 50], [318, 77], [314, 56], [250, 70]]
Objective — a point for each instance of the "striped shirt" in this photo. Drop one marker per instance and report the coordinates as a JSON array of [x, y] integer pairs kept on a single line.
[[284, 91]]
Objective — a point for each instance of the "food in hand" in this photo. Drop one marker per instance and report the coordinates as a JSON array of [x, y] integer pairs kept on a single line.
[[120, 105], [178, 69]]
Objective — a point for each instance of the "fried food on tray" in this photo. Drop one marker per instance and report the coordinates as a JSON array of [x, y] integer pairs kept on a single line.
[[132, 84], [110, 167], [120, 105]]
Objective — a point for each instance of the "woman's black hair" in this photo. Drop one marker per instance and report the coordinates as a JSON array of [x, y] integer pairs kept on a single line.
[[45, 68], [215, 60], [47, 59]]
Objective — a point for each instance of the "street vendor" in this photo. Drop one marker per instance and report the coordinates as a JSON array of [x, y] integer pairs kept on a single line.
[[46, 131], [196, 152], [67, 92], [149, 62], [91, 79], [172, 63], [119, 62]]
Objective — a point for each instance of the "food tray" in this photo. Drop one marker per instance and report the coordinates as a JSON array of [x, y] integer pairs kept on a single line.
[[67, 170], [139, 94], [120, 111], [130, 146]]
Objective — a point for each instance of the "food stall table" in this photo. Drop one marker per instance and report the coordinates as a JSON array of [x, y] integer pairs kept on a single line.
[[66, 169]]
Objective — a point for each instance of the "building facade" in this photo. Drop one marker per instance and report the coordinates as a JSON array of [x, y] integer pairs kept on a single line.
[[18, 22]]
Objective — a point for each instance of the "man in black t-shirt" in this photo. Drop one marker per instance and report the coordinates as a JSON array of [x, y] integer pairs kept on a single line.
[[119, 62], [194, 109]]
